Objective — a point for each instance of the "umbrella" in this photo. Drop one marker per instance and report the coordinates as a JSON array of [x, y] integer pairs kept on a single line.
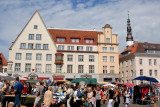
[[21, 78], [2, 74], [146, 78], [129, 84], [102, 82], [110, 85], [7, 78]]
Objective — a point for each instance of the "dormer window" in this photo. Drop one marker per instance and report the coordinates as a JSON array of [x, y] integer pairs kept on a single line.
[[153, 46], [145, 46], [89, 40], [108, 40], [75, 40], [60, 39], [35, 26]]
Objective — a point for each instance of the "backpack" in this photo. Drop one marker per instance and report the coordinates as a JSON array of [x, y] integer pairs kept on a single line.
[[79, 94]]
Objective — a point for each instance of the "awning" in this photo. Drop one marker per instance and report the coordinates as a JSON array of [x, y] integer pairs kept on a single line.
[[87, 80], [55, 79], [43, 78]]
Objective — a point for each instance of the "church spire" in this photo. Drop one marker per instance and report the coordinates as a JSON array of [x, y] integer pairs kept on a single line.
[[129, 38]]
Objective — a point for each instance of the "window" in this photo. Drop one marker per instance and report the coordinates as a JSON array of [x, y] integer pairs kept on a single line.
[[71, 48], [48, 68], [104, 69], [23, 46], [30, 45], [17, 67], [104, 49], [69, 68], [38, 68], [111, 58], [122, 74], [59, 57], [60, 39], [35, 26], [5, 69], [140, 61], [104, 58], [155, 61], [112, 69], [131, 62], [69, 57], [58, 68], [80, 48], [153, 46], [131, 73], [75, 40], [38, 56], [91, 58], [155, 72], [150, 72], [111, 49], [31, 37], [80, 68], [38, 37], [89, 48], [48, 57], [18, 56], [107, 40], [28, 67], [91, 68], [60, 47], [141, 72], [45, 46], [150, 61], [38, 46], [9, 66], [89, 40], [28, 56], [80, 58]]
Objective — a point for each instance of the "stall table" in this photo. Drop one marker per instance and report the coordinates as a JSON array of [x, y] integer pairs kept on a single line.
[[27, 100]]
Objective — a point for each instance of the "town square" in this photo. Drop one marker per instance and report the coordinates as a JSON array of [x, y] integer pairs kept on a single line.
[[79, 53]]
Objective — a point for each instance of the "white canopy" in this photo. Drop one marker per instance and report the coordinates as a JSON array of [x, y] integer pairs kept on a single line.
[[112, 85]]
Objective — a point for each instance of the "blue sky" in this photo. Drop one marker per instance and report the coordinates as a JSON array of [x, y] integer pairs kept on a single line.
[[82, 14]]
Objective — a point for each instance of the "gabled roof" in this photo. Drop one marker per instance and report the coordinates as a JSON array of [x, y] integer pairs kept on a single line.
[[4, 61], [36, 12], [69, 34], [140, 47]]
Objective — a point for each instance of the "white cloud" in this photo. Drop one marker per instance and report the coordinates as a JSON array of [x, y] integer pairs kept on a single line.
[[144, 17]]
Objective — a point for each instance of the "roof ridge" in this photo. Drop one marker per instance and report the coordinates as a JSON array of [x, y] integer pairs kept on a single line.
[[75, 29]]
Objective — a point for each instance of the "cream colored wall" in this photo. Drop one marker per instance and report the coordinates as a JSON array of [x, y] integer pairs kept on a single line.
[[23, 38], [75, 62], [114, 40]]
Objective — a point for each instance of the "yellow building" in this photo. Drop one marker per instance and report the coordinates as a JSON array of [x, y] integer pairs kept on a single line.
[[108, 55]]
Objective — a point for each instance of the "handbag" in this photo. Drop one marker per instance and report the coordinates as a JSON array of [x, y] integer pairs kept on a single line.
[[67, 96]]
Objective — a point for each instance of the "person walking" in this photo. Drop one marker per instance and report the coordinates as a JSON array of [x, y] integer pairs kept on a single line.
[[18, 87], [39, 94], [69, 96], [99, 95], [48, 97], [78, 96], [116, 97], [127, 95], [110, 97]]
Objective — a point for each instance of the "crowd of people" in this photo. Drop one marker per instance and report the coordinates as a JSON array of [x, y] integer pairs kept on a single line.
[[76, 96]]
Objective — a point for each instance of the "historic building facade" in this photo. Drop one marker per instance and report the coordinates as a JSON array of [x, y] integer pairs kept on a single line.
[[64, 53], [138, 59]]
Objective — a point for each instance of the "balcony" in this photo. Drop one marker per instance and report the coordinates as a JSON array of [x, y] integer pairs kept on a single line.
[[58, 62], [59, 58]]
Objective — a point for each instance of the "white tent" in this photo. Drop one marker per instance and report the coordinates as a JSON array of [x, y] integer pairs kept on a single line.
[[112, 85]]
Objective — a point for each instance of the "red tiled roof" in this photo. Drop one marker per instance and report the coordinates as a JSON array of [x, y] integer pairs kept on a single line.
[[139, 47], [69, 34], [4, 61]]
